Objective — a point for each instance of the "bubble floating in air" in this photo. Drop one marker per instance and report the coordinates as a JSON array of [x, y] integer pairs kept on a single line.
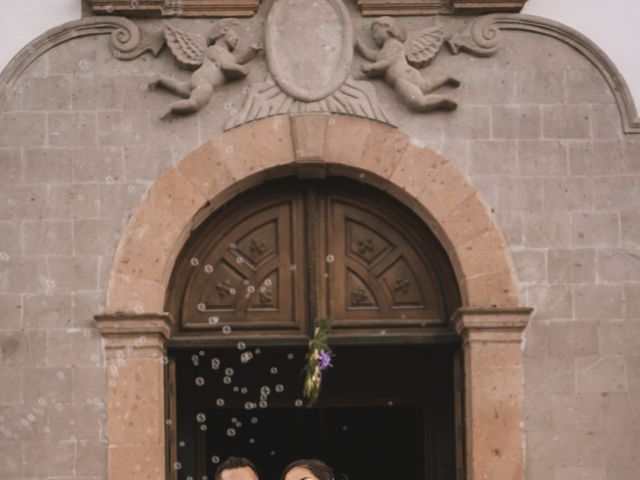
[[213, 320], [298, 403], [290, 356], [215, 459], [215, 363], [231, 432], [227, 379], [241, 346], [220, 402], [246, 357], [195, 262], [228, 371], [226, 329], [201, 417], [199, 381], [279, 388], [273, 370], [208, 268]]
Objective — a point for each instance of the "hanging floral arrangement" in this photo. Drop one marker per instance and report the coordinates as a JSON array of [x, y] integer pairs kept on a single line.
[[318, 360]]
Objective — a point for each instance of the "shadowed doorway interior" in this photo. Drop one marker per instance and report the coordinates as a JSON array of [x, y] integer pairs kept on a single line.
[[245, 292], [383, 411]]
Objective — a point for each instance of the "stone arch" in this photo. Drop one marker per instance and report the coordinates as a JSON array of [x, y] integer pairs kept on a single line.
[[490, 322], [369, 151]]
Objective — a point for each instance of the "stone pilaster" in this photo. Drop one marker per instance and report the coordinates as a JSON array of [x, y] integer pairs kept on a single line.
[[135, 352], [493, 372]]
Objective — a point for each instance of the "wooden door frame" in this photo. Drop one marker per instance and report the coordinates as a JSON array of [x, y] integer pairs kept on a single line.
[[490, 322]]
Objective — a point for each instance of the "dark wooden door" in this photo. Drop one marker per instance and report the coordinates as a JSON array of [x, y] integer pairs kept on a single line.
[[279, 257]]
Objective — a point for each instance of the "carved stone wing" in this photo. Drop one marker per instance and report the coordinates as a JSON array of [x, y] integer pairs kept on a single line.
[[423, 45], [188, 48]]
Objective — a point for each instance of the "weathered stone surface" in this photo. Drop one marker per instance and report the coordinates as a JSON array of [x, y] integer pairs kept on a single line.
[[45, 165]]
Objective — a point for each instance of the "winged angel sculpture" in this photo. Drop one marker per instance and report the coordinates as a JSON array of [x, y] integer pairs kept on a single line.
[[398, 60], [213, 60]]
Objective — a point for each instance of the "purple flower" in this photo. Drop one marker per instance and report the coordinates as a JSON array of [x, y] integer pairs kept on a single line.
[[324, 360]]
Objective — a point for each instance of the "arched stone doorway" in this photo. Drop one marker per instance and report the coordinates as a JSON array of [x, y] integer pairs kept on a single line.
[[490, 320]]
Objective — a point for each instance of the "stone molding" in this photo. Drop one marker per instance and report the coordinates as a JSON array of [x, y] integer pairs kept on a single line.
[[132, 324], [496, 325], [515, 22], [426, 7], [175, 8]]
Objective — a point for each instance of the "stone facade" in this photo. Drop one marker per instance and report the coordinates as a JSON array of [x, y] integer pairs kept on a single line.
[[539, 135]]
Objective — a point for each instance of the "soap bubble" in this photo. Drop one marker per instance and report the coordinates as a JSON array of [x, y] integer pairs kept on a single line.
[[231, 432], [177, 465], [252, 440], [244, 390], [241, 345], [239, 260], [226, 329], [251, 289], [265, 390], [195, 262], [263, 404], [135, 4], [182, 443], [227, 380], [257, 350], [213, 320], [249, 405], [208, 268], [199, 381], [254, 420], [229, 371], [201, 307], [274, 370], [109, 8], [215, 363], [267, 282], [220, 402], [298, 403], [330, 258], [234, 419], [195, 359], [215, 459], [279, 388], [201, 418], [246, 357], [290, 356]]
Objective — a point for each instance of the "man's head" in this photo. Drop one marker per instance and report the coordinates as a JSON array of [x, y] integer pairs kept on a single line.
[[236, 468]]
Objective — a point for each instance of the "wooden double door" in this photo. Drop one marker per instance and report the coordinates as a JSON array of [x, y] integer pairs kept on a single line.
[[278, 257]]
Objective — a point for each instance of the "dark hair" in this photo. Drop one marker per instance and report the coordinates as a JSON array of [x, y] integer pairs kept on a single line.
[[232, 463], [319, 469]]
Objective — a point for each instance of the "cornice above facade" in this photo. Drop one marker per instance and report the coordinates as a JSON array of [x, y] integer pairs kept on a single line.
[[175, 8], [246, 8], [422, 7]]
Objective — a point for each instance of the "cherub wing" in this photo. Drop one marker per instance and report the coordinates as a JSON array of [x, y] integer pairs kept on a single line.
[[422, 45], [188, 48]]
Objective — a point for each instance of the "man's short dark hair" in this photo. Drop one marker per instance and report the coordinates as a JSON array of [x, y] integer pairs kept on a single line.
[[232, 463]]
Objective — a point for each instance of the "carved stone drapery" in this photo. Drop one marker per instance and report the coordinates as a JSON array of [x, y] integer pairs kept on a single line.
[[176, 8]]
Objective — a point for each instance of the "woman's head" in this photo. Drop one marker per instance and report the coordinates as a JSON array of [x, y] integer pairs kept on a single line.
[[310, 469]]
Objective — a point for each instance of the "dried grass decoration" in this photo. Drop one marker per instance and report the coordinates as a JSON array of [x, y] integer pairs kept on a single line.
[[318, 361]]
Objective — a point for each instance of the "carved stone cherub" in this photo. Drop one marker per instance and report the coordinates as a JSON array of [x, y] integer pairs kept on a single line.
[[398, 59], [213, 60]]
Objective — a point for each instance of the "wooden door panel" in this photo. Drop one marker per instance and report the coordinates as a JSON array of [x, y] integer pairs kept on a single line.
[[375, 274], [281, 256], [244, 277]]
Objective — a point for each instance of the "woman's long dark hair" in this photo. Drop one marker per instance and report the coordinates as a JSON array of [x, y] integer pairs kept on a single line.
[[319, 469]]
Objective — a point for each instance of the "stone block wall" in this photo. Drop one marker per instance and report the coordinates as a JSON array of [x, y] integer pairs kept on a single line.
[[537, 132]]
